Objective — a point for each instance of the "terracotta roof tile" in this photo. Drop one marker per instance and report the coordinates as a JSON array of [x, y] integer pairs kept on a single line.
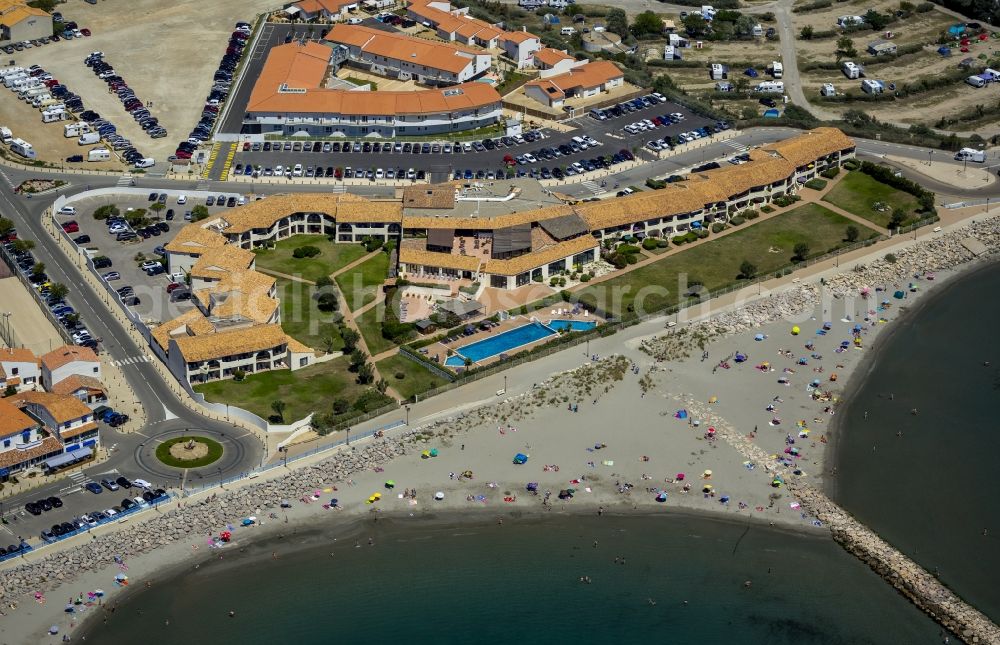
[[192, 323], [550, 57], [61, 407], [230, 342], [217, 263], [811, 145], [585, 76], [540, 257], [77, 431], [12, 420], [395, 46], [17, 355], [76, 382], [48, 446], [415, 252], [195, 239], [67, 354]]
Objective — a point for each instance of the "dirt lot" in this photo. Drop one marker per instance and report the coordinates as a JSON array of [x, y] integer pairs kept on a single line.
[[166, 51], [47, 138]]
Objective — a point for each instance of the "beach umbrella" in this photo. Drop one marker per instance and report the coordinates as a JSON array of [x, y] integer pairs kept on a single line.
[[795, 330], [439, 495], [680, 477], [334, 502], [662, 496], [390, 483], [713, 399], [707, 474], [434, 452], [532, 486], [54, 629], [724, 499], [759, 337], [707, 488], [426, 454], [69, 608], [377, 495]]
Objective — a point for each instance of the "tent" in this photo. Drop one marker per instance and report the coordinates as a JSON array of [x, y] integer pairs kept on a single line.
[[661, 496], [520, 459], [944, 51], [390, 484], [759, 337], [532, 486], [740, 357], [681, 414]]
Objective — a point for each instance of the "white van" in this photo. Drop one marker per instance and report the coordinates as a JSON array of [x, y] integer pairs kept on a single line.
[[147, 162], [976, 81], [567, 31], [88, 138], [970, 154]]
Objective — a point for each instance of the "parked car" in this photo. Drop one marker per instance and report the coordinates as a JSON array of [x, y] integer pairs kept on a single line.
[[110, 485]]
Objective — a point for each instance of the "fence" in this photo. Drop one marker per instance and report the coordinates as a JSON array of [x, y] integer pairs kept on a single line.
[[36, 295]]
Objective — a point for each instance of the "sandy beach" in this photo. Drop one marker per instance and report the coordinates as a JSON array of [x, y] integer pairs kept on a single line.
[[638, 430]]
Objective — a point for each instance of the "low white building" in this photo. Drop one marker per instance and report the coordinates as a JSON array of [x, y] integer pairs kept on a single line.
[[214, 356], [520, 47], [19, 368], [581, 82], [68, 418], [66, 361]]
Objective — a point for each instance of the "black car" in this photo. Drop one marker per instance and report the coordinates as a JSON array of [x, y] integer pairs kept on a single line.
[[44, 504], [74, 159], [82, 239], [55, 501], [123, 482], [33, 508], [127, 504]]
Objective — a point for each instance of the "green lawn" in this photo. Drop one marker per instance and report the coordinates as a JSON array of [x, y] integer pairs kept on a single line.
[[310, 389], [715, 264], [332, 257], [360, 284], [857, 193], [301, 318], [370, 325], [416, 379]]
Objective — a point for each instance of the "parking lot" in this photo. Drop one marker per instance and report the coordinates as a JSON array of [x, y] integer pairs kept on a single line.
[[441, 160], [154, 304]]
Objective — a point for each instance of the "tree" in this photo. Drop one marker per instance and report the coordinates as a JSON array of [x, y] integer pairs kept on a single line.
[[748, 270], [106, 211], [23, 246], [381, 386], [800, 251], [38, 269], [279, 409], [10, 391], [199, 212], [366, 373], [323, 282], [647, 22], [358, 359], [807, 32], [6, 226], [744, 26], [899, 216], [877, 21], [157, 207], [58, 291], [350, 338], [329, 343], [72, 319], [327, 302], [845, 47], [695, 25], [341, 405], [851, 233], [616, 21]]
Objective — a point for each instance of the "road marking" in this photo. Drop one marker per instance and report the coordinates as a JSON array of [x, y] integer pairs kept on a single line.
[[593, 187], [131, 360], [732, 143], [124, 180]]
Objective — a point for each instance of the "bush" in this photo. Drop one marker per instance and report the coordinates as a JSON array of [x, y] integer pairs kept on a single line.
[[736, 221], [767, 208], [627, 249], [106, 211], [890, 258], [631, 259], [324, 281], [718, 227], [816, 184], [306, 252], [701, 233], [585, 277], [751, 214], [830, 173], [400, 375], [924, 7], [662, 243], [680, 239], [649, 244], [850, 164], [326, 302], [372, 244]]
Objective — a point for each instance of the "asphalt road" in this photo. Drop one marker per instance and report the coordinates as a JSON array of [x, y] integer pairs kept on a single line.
[[132, 453]]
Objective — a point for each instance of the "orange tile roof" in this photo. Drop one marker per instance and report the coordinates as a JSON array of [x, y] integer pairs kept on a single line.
[[218, 263], [48, 446], [61, 407], [519, 36], [11, 13], [227, 343], [550, 57], [395, 46], [17, 355], [78, 430], [192, 322], [540, 257], [12, 420], [415, 252], [589, 75], [267, 96], [195, 239], [812, 145], [67, 354], [314, 6], [486, 223], [76, 382], [263, 213]]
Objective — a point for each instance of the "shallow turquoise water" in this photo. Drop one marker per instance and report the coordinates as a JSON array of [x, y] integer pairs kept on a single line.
[[504, 342], [520, 583]]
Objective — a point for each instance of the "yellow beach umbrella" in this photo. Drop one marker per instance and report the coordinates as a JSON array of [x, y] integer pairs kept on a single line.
[[795, 330], [713, 399]]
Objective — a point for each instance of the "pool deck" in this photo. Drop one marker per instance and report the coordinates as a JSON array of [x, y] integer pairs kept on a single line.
[[441, 349]]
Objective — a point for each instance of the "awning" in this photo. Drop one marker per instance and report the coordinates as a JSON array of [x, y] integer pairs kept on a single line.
[[81, 453], [59, 460], [90, 442]]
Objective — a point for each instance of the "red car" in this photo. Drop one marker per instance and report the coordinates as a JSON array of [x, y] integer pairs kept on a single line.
[[246, 146], [85, 31], [172, 286], [71, 227]]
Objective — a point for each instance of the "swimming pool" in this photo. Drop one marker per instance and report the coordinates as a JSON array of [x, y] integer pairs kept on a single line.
[[572, 325], [508, 340]]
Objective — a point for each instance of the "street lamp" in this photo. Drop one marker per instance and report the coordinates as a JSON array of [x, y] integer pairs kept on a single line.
[[407, 415], [505, 383], [220, 477]]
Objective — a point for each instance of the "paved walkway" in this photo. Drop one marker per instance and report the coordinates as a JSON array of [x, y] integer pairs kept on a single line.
[[361, 260], [279, 274]]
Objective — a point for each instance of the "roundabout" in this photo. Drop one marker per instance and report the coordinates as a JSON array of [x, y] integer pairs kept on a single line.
[[189, 451]]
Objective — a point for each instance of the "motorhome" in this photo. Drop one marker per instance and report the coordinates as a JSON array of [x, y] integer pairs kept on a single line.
[[777, 69], [869, 86], [970, 154], [23, 148], [770, 86], [6, 136], [99, 154], [51, 116], [851, 70], [75, 129], [88, 138], [718, 72]]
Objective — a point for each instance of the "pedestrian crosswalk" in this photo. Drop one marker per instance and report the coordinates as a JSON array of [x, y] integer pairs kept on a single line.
[[79, 478], [124, 180], [732, 143], [593, 187], [131, 360], [202, 186], [338, 189]]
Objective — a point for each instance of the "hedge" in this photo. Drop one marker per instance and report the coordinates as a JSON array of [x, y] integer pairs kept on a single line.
[[816, 184], [830, 173]]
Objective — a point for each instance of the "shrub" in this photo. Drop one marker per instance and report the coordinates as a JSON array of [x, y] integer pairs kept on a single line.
[[701, 233], [830, 173], [400, 375], [767, 209], [680, 239], [718, 227], [736, 221], [890, 258], [324, 281], [306, 252], [627, 249], [372, 244], [924, 7], [585, 277], [649, 244], [751, 214], [631, 259], [326, 302], [850, 164], [239, 375], [816, 184], [106, 211], [662, 243]]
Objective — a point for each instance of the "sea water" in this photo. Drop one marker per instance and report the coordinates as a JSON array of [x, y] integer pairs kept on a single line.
[[673, 578], [918, 440]]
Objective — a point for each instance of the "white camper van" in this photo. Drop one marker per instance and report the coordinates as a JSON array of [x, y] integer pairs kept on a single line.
[[99, 154], [970, 154]]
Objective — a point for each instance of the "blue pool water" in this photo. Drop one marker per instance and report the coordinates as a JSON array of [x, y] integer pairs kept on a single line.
[[572, 325], [500, 343]]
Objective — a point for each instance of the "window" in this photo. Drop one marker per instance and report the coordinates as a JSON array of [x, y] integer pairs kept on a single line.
[[13, 372], [6, 443], [96, 369]]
